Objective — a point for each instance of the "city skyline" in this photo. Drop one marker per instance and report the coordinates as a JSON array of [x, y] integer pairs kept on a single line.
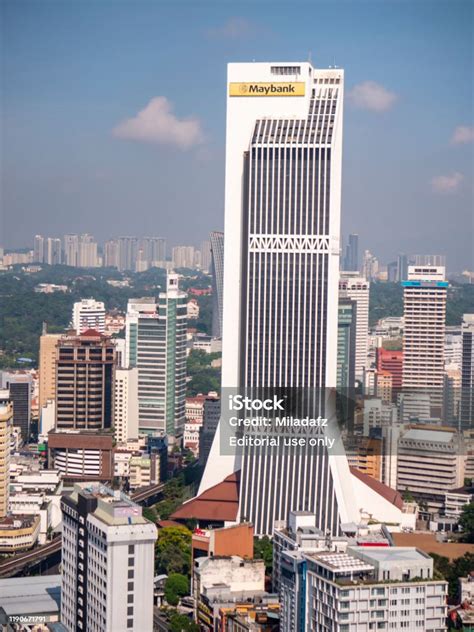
[[267, 428], [85, 124]]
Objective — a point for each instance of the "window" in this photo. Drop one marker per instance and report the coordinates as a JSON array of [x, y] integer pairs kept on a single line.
[[130, 611], [131, 549], [129, 598], [130, 586], [129, 623], [130, 573]]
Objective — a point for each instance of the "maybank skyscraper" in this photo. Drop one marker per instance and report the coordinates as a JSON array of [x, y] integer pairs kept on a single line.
[[281, 270]]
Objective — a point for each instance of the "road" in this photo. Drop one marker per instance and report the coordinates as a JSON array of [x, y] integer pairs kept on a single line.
[[140, 495], [159, 623], [11, 565]]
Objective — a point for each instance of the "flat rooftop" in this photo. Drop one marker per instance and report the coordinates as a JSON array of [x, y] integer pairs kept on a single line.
[[341, 562], [31, 595], [438, 436], [393, 554]]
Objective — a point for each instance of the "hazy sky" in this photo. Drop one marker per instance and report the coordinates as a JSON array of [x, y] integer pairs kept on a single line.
[[113, 115]]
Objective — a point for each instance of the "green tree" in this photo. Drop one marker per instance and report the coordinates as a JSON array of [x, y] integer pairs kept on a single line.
[[150, 514], [173, 551], [204, 377], [467, 521], [451, 571], [181, 623], [408, 496], [263, 550], [176, 586]]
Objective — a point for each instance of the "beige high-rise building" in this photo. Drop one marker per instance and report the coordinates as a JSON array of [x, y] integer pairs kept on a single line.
[[6, 414], [85, 376], [47, 368]]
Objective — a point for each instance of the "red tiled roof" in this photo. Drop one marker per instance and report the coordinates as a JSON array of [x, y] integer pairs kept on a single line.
[[161, 524], [383, 490], [220, 502], [92, 333]]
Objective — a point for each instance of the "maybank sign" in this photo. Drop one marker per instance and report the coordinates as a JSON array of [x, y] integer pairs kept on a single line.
[[274, 89]]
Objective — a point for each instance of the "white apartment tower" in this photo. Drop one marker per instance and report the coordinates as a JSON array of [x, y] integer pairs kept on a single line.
[[281, 269], [357, 288], [183, 256], [424, 295], [467, 371], [88, 314], [71, 250], [87, 252], [126, 404], [107, 562], [53, 251], [38, 249]]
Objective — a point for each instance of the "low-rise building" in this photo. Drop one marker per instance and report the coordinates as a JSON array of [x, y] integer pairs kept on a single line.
[[221, 582], [466, 588], [144, 470], [263, 616], [191, 437], [33, 505], [26, 480], [83, 455], [208, 344], [192, 309], [223, 542], [194, 410], [50, 288], [456, 500], [18, 533]]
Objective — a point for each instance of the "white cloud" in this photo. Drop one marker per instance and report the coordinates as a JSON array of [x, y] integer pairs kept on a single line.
[[370, 95], [447, 184], [462, 134], [234, 28], [156, 123]]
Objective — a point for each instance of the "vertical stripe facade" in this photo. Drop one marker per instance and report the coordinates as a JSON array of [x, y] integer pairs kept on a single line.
[[287, 246]]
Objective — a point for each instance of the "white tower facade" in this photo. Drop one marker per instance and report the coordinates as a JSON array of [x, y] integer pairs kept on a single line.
[[357, 288], [107, 562], [424, 295], [126, 404], [88, 314], [281, 271]]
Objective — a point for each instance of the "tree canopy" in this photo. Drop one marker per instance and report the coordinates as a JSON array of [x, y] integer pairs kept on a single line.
[[173, 551], [176, 586], [467, 521]]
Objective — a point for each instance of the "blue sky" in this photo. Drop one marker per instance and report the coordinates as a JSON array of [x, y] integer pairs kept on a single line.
[[72, 72]]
